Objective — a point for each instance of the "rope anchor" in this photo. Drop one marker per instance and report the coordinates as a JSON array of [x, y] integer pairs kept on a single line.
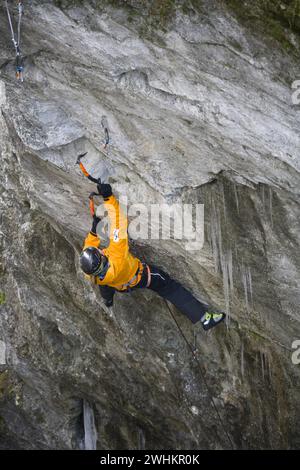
[[16, 40]]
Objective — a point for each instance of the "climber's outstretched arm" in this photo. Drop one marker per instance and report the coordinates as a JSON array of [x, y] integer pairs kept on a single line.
[[92, 238], [118, 236]]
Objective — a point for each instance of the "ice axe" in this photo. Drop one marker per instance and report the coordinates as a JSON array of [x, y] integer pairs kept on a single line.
[[97, 181], [106, 141], [92, 203], [83, 169]]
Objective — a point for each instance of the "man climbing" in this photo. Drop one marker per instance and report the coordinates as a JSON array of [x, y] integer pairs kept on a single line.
[[116, 269]]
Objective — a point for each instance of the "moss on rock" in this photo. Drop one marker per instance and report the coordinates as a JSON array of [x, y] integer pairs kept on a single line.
[[276, 19]]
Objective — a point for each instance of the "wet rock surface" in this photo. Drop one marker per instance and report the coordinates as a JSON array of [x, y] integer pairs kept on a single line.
[[199, 111]]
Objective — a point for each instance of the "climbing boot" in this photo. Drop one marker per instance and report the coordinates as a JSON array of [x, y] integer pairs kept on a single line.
[[212, 319]]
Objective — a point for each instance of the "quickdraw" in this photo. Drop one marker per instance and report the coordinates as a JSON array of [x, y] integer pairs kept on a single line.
[[104, 124], [17, 40]]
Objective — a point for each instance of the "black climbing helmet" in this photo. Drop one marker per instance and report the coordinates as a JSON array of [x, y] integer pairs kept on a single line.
[[92, 262]]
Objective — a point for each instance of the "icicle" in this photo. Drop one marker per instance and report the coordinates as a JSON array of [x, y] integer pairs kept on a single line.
[[262, 361], [141, 440], [214, 230], [236, 251], [263, 198], [226, 267], [269, 369], [219, 234], [90, 432], [271, 205], [223, 260], [242, 361], [250, 288], [224, 203], [2, 349], [245, 283], [236, 198], [230, 269]]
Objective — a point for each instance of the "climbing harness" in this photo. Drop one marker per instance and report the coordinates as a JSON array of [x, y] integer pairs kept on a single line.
[[16, 40], [128, 286]]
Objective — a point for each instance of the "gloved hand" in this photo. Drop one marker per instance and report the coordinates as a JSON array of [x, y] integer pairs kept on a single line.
[[109, 303], [105, 190], [96, 221]]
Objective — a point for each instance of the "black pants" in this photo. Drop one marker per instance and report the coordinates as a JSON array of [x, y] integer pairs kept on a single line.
[[168, 289]]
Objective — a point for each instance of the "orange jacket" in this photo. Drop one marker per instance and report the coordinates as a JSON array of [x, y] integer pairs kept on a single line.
[[124, 269]]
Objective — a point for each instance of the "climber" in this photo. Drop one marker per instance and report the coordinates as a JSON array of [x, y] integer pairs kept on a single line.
[[116, 269]]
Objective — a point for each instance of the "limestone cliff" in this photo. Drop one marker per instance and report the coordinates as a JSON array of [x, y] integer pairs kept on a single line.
[[197, 95]]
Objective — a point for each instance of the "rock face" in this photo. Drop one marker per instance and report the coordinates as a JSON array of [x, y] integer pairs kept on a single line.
[[199, 111]]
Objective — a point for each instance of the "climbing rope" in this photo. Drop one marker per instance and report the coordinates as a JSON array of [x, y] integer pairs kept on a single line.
[[11, 27], [20, 11], [16, 40], [194, 353]]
